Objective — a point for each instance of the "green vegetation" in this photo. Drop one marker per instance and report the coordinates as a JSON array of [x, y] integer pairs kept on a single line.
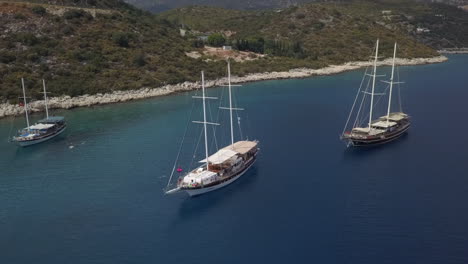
[[216, 40], [79, 54], [39, 10], [328, 33], [117, 47]]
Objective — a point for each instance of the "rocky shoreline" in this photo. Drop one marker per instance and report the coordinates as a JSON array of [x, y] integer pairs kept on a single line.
[[454, 51], [67, 102]]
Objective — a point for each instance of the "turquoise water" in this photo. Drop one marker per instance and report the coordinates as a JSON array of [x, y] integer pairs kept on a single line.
[[94, 195]]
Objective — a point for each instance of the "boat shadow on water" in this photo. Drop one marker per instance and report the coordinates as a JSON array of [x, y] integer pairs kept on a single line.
[[197, 206], [371, 150]]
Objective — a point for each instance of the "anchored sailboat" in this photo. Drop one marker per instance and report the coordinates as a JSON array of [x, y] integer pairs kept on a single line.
[[44, 129], [223, 167], [385, 128]]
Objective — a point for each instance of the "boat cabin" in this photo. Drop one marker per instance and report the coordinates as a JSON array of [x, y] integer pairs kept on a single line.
[[245, 149], [59, 120], [395, 117], [199, 177]]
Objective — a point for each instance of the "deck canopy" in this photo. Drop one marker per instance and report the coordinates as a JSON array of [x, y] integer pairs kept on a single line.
[[366, 130], [220, 157], [242, 147], [361, 129], [397, 116], [52, 119], [384, 124], [41, 126]]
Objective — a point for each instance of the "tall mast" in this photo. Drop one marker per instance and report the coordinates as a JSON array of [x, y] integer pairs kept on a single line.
[[25, 103], [230, 102], [391, 83], [373, 82], [45, 99], [204, 119]]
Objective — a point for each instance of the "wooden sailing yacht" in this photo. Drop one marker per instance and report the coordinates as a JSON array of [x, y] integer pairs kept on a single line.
[[385, 128], [44, 129], [223, 167]]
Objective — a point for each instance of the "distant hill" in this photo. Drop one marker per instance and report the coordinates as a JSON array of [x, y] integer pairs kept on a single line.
[[106, 4], [81, 50], [100, 46], [164, 5], [351, 26]]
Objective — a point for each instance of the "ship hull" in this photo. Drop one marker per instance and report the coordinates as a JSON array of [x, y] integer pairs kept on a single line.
[[196, 192], [42, 139], [386, 138]]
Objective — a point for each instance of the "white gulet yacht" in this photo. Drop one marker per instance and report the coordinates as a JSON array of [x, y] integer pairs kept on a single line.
[[44, 129], [223, 167]]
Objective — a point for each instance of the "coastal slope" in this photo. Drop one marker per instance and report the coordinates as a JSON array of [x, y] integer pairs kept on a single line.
[[105, 48]]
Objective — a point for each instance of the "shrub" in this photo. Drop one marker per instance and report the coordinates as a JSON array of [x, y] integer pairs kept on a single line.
[[39, 10], [121, 39], [67, 30], [77, 14], [300, 16], [139, 60], [6, 57], [19, 16], [216, 40], [198, 43], [27, 39], [33, 57]]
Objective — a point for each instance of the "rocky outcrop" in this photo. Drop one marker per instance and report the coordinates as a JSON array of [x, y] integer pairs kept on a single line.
[[67, 102]]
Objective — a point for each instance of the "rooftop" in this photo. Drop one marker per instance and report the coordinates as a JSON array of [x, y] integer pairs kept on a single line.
[[242, 147], [41, 126], [384, 124], [52, 119], [220, 157]]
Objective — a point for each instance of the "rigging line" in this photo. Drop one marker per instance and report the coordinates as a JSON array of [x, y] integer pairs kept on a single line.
[[354, 104], [214, 130], [214, 140], [378, 100], [399, 89], [224, 135], [247, 126], [196, 148], [238, 117], [358, 122], [11, 128], [181, 144]]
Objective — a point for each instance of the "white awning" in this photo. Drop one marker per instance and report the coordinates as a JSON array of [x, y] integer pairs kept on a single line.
[[397, 116], [361, 129], [220, 157], [242, 147], [41, 126], [384, 124]]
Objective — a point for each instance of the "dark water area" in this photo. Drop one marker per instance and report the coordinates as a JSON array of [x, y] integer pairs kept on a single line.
[[94, 195]]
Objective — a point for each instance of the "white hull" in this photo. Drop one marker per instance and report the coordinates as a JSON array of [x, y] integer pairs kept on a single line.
[[33, 142], [195, 192]]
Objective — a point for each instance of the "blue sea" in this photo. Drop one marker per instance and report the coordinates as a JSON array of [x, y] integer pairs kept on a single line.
[[95, 194]]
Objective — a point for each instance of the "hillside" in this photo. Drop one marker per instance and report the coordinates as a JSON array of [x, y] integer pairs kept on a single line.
[[91, 51], [318, 25], [165, 5], [327, 33], [90, 47]]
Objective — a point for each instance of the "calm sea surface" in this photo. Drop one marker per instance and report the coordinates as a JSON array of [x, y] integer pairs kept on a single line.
[[94, 195]]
